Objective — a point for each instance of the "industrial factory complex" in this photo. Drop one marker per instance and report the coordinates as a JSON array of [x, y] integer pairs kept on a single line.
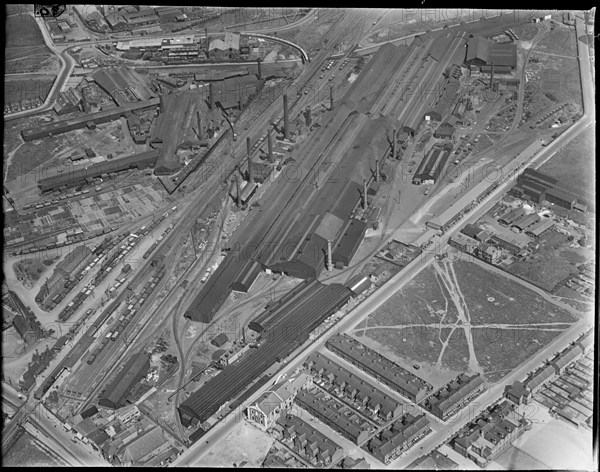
[[298, 238]]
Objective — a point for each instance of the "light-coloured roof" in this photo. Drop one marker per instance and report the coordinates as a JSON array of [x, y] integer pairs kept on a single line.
[[143, 445]]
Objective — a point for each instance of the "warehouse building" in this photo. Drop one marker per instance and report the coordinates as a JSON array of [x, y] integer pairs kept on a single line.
[[463, 242], [73, 261], [475, 232], [512, 216], [271, 404], [333, 376], [352, 237], [444, 131], [227, 48], [116, 393], [525, 222], [58, 127], [250, 272], [455, 395], [123, 84], [482, 52], [219, 340], [310, 296], [215, 291], [78, 174], [432, 166], [322, 408], [379, 367], [540, 227], [309, 442], [400, 436], [285, 334]]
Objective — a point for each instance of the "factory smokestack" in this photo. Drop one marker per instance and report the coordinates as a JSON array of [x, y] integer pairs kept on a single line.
[[307, 115], [377, 171], [492, 78], [199, 120], [206, 34], [162, 103], [270, 146], [329, 256], [365, 204], [331, 98], [259, 70], [285, 117], [238, 197], [250, 177], [211, 96], [394, 144]]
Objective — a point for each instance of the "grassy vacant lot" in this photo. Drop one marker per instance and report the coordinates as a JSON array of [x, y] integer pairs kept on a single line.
[[493, 298], [559, 41], [16, 91], [575, 165], [25, 49], [422, 300], [420, 344], [27, 452], [553, 262], [493, 344], [500, 310]]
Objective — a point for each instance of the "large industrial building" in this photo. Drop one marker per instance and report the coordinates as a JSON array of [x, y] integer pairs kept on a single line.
[[431, 167], [379, 367], [539, 187], [78, 174], [123, 84], [90, 120], [482, 53], [288, 330], [116, 393]]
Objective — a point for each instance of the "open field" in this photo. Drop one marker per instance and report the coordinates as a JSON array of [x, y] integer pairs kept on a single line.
[[25, 49], [575, 166], [559, 41], [27, 452], [553, 262], [451, 297], [17, 90], [496, 299], [243, 443], [420, 346], [492, 345]]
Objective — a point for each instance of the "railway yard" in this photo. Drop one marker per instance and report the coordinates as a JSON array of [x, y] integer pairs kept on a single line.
[[309, 239]]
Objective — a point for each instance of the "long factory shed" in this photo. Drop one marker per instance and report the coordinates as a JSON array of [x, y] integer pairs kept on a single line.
[[291, 329], [58, 127], [77, 174]]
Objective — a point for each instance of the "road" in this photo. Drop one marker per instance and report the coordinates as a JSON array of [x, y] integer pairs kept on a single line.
[[68, 64]]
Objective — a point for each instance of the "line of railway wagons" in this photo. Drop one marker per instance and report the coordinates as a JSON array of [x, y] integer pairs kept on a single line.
[[126, 314]]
